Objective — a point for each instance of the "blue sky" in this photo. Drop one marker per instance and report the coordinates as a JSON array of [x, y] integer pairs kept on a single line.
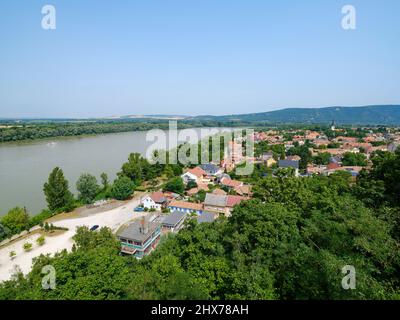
[[195, 57]]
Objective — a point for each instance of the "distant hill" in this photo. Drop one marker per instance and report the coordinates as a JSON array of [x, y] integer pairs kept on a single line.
[[366, 115], [374, 115]]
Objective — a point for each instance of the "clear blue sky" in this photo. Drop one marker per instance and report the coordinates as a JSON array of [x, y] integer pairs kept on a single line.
[[195, 56]]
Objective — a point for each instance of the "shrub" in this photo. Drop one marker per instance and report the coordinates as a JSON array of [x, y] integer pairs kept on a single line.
[[27, 246], [41, 240]]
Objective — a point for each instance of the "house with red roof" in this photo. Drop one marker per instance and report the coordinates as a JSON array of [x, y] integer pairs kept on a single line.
[[156, 200], [196, 174], [230, 183]]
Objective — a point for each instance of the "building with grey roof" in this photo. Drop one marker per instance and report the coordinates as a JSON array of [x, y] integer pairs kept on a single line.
[[174, 221], [215, 200], [211, 169], [139, 238], [216, 203], [288, 164], [206, 217]]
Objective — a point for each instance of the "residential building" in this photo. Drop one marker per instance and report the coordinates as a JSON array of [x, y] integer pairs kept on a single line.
[[232, 201], [139, 238], [155, 201], [187, 207], [289, 164], [244, 190], [293, 158], [201, 186], [219, 192], [173, 222], [268, 159], [206, 217], [221, 204], [216, 203], [196, 174], [211, 169], [227, 182]]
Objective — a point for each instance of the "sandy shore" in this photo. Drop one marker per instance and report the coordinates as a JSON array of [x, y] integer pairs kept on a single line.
[[113, 219]]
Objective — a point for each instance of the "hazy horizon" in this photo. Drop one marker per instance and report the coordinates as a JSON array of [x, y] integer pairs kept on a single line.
[[188, 115]]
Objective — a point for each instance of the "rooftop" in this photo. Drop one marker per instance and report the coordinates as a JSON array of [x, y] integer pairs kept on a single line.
[[186, 205], [206, 217], [210, 168], [289, 164], [215, 200], [158, 197], [133, 231], [174, 218], [197, 171]]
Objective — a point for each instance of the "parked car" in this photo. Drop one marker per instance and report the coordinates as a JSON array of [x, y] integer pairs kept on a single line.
[[95, 227], [138, 209]]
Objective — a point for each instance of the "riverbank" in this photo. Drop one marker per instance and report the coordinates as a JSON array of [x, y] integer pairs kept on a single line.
[[25, 166], [15, 132], [111, 217]]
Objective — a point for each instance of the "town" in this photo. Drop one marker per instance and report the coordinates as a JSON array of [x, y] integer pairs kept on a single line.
[[210, 191]]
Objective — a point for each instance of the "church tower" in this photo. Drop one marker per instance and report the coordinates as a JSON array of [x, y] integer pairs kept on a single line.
[[333, 125]]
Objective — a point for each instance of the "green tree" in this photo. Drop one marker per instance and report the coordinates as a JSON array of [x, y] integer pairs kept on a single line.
[[122, 188], [4, 232], [354, 159], [56, 190], [16, 220], [201, 195], [104, 180], [175, 185], [322, 158], [138, 169], [86, 239], [191, 184], [87, 187]]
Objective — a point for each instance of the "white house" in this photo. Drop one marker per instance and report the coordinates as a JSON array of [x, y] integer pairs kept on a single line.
[[154, 201], [196, 174]]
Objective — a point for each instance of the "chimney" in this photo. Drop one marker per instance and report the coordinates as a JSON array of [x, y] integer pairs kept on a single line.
[[144, 228]]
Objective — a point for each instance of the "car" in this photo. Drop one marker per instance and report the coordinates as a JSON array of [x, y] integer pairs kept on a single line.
[[138, 209], [95, 227]]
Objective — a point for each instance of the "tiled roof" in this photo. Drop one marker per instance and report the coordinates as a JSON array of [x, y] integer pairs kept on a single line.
[[219, 191], [197, 171], [332, 165], [185, 205], [243, 190], [234, 200], [230, 183], [158, 197]]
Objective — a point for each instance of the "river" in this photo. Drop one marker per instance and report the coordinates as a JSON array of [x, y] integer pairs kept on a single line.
[[25, 166]]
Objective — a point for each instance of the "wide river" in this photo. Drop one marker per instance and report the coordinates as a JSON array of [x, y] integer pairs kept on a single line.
[[25, 166]]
